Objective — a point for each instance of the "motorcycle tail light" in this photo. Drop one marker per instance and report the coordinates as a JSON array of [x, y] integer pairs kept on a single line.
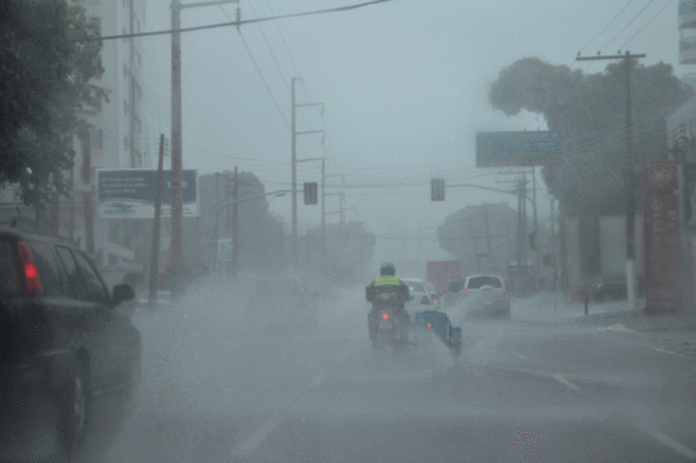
[[505, 290], [385, 316], [428, 325]]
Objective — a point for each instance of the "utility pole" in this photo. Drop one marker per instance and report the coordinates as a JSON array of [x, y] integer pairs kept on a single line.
[[629, 176], [488, 238], [235, 223], [323, 203], [473, 245], [293, 163], [154, 253], [176, 249]]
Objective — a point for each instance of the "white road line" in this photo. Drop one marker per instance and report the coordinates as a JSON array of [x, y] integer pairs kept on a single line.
[[656, 349], [317, 380], [561, 379], [248, 445], [671, 443], [521, 356], [340, 356]]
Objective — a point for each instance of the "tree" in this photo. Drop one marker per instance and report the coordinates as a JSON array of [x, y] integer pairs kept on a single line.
[[45, 72], [465, 236], [349, 249], [588, 111]]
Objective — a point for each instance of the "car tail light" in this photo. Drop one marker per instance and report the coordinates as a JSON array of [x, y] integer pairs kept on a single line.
[[435, 299], [463, 292], [31, 275], [385, 316], [505, 290], [429, 325]]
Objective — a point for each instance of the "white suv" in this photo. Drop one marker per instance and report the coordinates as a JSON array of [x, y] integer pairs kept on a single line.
[[485, 295]]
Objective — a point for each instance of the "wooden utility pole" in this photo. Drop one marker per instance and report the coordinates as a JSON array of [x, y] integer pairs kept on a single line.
[[176, 248], [629, 176]]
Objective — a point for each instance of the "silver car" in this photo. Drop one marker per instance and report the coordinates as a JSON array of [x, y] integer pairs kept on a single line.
[[421, 298]]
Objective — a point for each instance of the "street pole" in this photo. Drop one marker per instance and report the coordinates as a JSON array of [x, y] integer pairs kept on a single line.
[[294, 161], [488, 238], [235, 224], [176, 248], [536, 233], [293, 167], [323, 205], [154, 253], [629, 177]]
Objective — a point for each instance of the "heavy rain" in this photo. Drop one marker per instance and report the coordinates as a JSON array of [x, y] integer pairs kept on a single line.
[[335, 231]]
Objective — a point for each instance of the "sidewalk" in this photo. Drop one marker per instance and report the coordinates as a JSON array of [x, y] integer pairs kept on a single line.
[[549, 307], [672, 332]]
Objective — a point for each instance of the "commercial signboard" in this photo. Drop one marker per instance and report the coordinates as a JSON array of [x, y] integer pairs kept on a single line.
[[517, 149], [661, 232], [130, 193]]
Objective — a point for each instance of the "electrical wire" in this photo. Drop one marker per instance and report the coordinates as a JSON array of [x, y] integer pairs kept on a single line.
[[627, 24], [647, 23], [607, 26]]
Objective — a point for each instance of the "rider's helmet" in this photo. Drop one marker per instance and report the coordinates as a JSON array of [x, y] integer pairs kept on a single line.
[[387, 268]]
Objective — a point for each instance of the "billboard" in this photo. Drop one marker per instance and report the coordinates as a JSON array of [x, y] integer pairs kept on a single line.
[[130, 193], [517, 149], [661, 233]]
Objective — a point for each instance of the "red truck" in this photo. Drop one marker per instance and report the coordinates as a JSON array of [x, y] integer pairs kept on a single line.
[[442, 272]]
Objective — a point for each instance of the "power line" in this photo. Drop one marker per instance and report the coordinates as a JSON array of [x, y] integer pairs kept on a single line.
[[627, 24], [607, 26], [232, 23], [646, 24]]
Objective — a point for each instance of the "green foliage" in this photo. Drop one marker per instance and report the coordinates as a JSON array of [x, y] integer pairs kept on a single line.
[[589, 112], [44, 87], [349, 249], [464, 235]]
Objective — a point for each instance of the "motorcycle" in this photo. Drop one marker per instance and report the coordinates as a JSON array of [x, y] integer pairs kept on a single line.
[[388, 322]]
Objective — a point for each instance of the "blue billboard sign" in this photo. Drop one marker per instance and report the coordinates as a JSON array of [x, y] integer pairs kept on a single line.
[[517, 149], [130, 193]]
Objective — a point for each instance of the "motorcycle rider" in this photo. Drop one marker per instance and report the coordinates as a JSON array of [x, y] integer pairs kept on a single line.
[[386, 283]]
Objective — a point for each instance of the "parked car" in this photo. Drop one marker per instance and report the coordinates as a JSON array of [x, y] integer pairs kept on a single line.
[[614, 288], [62, 343], [484, 295]]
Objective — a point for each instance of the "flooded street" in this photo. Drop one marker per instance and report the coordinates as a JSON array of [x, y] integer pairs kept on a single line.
[[218, 387]]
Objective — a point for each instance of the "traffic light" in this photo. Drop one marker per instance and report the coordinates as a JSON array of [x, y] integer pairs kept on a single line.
[[437, 189], [310, 193]]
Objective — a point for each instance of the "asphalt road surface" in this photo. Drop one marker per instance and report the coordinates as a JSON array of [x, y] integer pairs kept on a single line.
[[225, 385]]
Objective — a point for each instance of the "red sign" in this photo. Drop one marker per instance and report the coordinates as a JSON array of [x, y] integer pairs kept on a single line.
[[661, 235]]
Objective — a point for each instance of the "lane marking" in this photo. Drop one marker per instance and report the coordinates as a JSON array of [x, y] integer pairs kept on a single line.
[[521, 356], [340, 356], [562, 379], [251, 443], [681, 449], [317, 380], [656, 349]]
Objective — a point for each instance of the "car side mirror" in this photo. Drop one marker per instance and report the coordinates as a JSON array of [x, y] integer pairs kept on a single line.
[[122, 293]]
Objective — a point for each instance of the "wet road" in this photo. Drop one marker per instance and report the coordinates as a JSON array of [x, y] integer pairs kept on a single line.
[[223, 385]]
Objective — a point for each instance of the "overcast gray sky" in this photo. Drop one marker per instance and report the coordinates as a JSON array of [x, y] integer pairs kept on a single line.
[[404, 87]]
